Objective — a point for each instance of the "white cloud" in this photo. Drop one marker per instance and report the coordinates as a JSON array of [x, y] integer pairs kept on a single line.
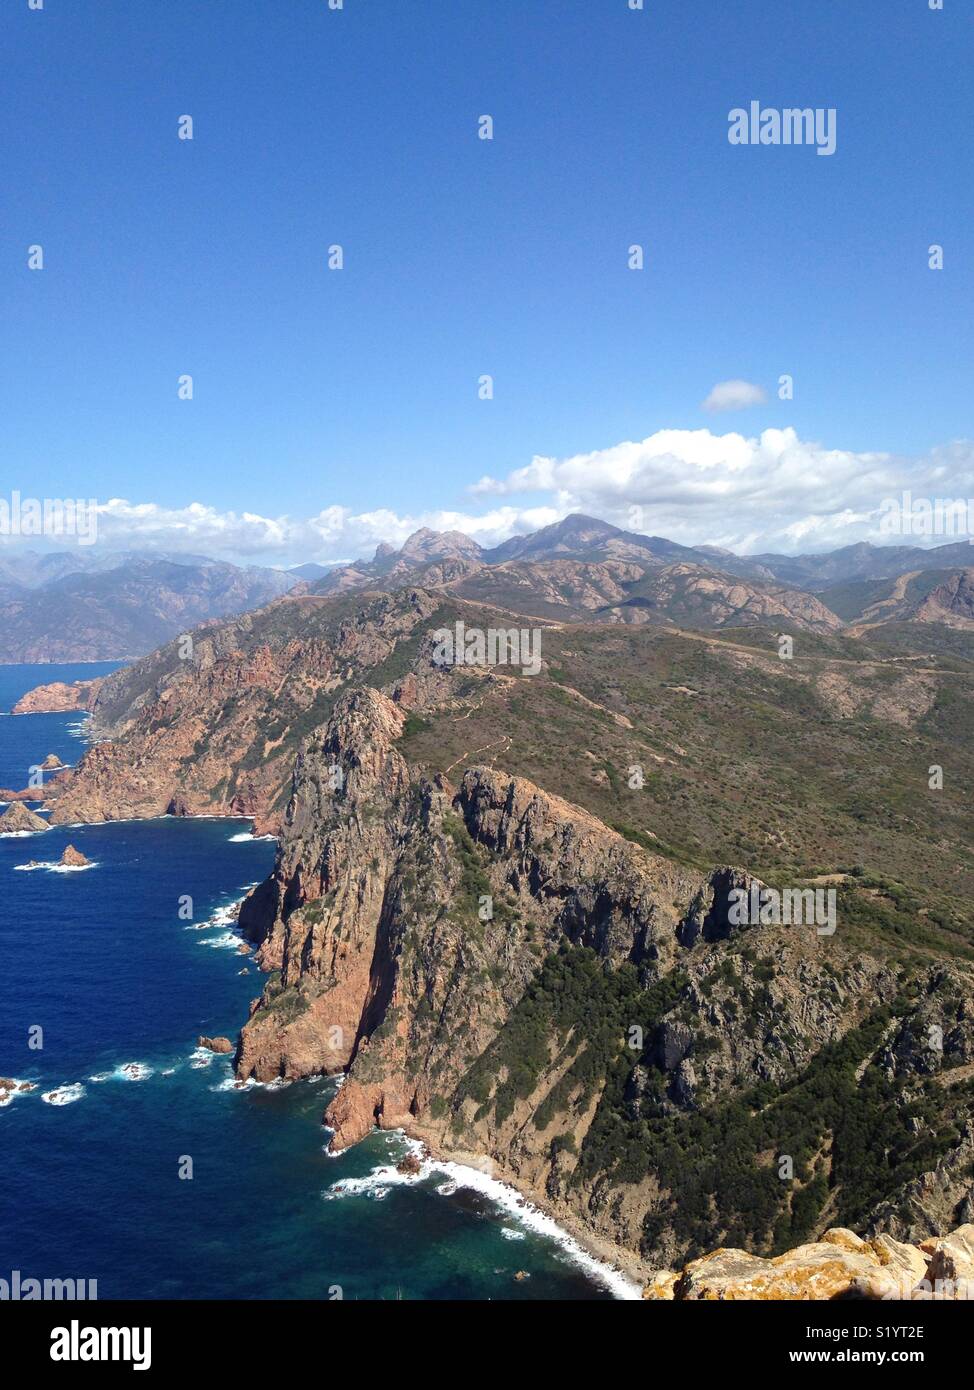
[[773, 491], [734, 395]]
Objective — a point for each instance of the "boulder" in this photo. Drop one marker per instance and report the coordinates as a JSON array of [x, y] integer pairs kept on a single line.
[[952, 1259], [822, 1270], [215, 1044]]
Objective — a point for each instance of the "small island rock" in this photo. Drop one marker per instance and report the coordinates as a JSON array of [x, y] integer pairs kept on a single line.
[[73, 858]]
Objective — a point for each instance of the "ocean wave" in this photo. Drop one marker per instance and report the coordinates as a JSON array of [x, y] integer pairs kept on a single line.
[[223, 916], [229, 941], [246, 835], [64, 1095], [133, 1071], [201, 1057]]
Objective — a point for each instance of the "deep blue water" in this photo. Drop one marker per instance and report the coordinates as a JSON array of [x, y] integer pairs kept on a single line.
[[102, 963]]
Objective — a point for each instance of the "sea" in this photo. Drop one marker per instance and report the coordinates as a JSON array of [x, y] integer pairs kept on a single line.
[[136, 1161]]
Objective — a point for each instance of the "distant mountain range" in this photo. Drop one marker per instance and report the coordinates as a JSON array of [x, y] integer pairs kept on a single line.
[[585, 569], [80, 606]]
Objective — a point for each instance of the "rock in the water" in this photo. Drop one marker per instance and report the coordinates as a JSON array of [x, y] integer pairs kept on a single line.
[[18, 818], [73, 858], [58, 697], [410, 1165], [215, 1044], [51, 762]]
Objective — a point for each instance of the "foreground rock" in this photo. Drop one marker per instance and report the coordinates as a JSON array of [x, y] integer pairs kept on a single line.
[[840, 1265], [73, 859], [215, 1044], [51, 762], [18, 819]]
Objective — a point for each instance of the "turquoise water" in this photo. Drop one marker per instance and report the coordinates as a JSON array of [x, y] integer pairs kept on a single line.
[[102, 963]]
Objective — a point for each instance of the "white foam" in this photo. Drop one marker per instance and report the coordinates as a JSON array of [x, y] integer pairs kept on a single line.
[[223, 916], [232, 1083], [133, 1071], [64, 1095], [52, 866], [201, 1057]]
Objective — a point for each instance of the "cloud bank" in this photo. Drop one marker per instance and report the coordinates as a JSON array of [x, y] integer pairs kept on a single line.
[[772, 491]]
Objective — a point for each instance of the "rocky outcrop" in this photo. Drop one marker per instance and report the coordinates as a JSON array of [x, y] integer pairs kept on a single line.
[[18, 819], [217, 730], [219, 1045], [840, 1265], [951, 602], [58, 697], [936, 1200]]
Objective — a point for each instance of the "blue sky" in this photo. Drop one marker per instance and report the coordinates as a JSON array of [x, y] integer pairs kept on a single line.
[[356, 390]]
